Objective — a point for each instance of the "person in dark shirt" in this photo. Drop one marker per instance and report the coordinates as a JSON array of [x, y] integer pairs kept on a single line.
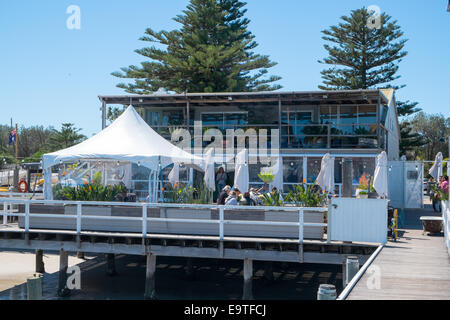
[[223, 195]]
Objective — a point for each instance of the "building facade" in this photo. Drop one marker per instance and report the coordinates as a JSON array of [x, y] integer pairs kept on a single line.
[[356, 124]]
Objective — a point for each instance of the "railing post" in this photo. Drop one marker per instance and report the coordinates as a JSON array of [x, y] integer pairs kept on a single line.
[[78, 218], [27, 215], [144, 221], [221, 216], [300, 226]]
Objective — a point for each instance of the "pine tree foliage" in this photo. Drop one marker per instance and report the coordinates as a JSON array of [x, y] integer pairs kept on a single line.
[[368, 58], [362, 58], [213, 51]]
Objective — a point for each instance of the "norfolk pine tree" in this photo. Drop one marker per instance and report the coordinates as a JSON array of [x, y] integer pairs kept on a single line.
[[211, 52], [367, 58]]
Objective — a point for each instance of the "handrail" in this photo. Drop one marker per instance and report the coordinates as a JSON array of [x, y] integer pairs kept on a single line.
[[344, 294], [164, 205], [145, 219], [445, 207]]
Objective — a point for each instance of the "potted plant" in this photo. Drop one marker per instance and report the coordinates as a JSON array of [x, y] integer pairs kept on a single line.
[[365, 189], [266, 177]]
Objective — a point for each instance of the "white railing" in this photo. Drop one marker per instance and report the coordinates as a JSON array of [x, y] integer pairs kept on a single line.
[[446, 222], [8, 206], [144, 218], [344, 294], [20, 195]]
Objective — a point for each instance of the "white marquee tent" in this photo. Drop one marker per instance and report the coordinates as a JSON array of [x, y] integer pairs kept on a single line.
[[129, 139]]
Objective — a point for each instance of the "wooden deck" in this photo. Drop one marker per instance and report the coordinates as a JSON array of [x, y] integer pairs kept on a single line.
[[415, 267]]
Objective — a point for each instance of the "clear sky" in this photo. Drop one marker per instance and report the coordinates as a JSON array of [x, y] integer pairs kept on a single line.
[[50, 74]]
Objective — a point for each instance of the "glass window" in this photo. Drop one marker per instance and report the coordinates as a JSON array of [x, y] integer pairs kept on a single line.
[[254, 170], [367, 114], [212, 119], [328, 115], [361, 166], [184, 172], [166, 117], [235, 119], [292, 170], [313, 168]]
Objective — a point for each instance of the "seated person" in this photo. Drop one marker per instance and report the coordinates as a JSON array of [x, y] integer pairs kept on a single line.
[[247, 200], [232, 199], [223, 195]]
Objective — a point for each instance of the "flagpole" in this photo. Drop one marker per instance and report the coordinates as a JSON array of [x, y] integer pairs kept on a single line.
[[17, 140]]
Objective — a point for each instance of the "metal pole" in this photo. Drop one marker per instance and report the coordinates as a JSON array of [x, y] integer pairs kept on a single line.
[[103, 115]]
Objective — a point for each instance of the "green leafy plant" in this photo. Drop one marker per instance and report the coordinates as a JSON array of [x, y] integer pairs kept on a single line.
[[88, 192], [306, 196], [97, 178], [272, 199], [180, 194], [438, 193], [202, 195]]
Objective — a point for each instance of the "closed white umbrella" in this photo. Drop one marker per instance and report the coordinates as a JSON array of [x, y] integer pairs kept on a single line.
[[174, 174], [436, 169], [380, 180], [241, 177], [209, 178], [325, 179]]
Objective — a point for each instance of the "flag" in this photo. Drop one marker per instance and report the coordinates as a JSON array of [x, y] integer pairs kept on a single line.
[[12, 137]]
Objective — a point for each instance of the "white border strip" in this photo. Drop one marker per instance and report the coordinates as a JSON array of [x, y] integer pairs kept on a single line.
[[344, 294]]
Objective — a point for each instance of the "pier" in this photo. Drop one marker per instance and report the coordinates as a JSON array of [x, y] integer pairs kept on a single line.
[[182, 237], [415, 267]]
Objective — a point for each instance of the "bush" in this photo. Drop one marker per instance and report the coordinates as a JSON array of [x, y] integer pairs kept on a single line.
[[309, 196], [88, 192]]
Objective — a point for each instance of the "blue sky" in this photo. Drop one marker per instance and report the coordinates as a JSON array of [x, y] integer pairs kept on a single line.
[[50, 74]]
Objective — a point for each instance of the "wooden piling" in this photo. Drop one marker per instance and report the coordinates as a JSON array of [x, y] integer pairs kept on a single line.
[[326, 292], [189, 268], [62, 281], [268, 270], [352, 268], [111, 264], [248, 279], [40, 268], [34, 287], [150, 277]]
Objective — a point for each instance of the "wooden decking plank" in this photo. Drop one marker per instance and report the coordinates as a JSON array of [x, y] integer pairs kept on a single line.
[[417, 267]]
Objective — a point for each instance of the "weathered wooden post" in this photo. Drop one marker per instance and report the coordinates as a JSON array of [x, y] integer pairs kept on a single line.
[[189, 269], [268, 270], [40, 268], [347, 178], [248, 279], [62, 281], [352, 268], [150, 277], [326, 292], [16, 178], [34, 287], [110, 264]]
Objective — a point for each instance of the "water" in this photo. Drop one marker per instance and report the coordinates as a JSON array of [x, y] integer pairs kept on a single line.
[[212, 279]]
